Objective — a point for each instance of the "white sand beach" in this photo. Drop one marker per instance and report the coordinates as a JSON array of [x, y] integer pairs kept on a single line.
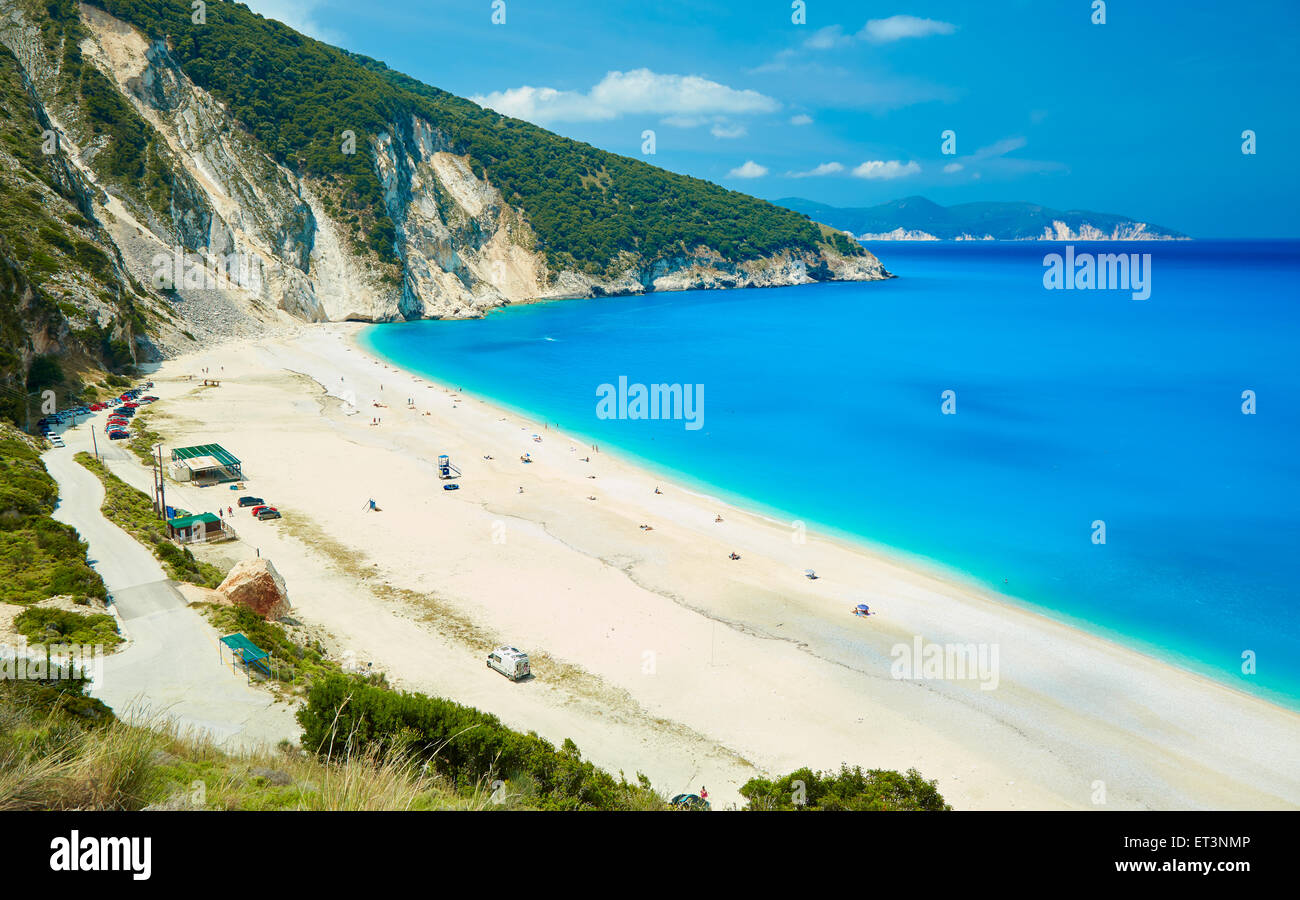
[[652, 649]]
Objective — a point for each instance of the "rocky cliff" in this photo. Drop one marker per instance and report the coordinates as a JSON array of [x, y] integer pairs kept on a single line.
[[227, 241]]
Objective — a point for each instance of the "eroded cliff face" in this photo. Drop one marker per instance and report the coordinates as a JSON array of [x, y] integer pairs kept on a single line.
[[242, 244], [464, 250], [241, 214]]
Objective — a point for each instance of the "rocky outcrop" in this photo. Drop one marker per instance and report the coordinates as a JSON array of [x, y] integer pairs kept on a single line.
[[256, 585], [1125, 231]]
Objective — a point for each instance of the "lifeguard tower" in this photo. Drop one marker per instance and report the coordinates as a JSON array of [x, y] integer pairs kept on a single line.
[[446, 469]]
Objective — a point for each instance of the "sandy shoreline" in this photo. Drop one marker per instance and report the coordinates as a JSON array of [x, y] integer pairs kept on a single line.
[[653, 650]]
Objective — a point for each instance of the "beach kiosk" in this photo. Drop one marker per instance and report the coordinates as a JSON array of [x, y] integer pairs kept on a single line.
[[199, 529], [206, 464]]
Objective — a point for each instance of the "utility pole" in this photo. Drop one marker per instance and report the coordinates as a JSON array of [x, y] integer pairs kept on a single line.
[[95, 442], [162, 487]]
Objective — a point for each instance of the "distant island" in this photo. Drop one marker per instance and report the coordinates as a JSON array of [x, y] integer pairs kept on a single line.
[[919, 219]]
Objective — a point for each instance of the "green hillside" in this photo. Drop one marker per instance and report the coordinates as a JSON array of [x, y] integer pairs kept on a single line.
[[298, 96], [55, 262]]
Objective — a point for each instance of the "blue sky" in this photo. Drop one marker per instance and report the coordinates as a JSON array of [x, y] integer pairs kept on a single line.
[[1140, 116]]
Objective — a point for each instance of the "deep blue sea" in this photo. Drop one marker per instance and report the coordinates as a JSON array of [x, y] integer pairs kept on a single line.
[[823, 403]]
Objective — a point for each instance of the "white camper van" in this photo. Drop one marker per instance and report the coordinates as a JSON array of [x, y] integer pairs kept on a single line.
[[509, 662]]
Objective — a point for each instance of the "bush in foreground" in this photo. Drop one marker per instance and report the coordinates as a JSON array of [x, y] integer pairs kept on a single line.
[[849, 789], [343, 717]]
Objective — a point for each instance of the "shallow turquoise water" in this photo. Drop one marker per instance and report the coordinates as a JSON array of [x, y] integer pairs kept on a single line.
[[823, 403]]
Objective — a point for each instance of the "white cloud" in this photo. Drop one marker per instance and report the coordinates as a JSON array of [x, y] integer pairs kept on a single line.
[[801, 119], [543, 104], [994, 160], [885, 170], [826, 38], [750, 169], [999, 148], [300, 15], [896, 28], [681, 97], [830, 168], [726, 130]]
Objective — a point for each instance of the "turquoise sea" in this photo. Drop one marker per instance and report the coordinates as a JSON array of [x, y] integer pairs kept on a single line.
[[823, 404]]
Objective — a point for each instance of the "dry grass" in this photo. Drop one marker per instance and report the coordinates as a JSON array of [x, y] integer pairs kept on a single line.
[[51, 761]]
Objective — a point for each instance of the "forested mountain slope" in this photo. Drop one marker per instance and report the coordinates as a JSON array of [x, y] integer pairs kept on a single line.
[[218, 174]]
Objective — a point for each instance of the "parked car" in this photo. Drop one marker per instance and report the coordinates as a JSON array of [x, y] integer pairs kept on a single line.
[[118, 435], [269, 512], [261, 506], [509, 662], [251, 501]]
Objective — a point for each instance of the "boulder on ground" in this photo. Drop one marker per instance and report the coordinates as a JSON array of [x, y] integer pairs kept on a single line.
[[255, 584]]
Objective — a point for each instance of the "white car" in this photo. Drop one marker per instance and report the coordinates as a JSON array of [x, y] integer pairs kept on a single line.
[[509, 662]]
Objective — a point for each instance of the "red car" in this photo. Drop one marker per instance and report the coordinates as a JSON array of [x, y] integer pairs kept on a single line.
[[131, 404], [258, 509]]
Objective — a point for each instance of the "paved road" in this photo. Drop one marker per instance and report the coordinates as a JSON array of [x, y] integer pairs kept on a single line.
[[171, 667]]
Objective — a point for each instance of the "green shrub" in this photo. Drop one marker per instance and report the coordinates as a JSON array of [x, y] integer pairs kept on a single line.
[[57, 626], [343, 717], [45, 372], [849, 789], [39, 557], [292, 663]]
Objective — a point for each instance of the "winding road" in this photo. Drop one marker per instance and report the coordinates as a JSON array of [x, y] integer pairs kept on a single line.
[[171, 668]]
